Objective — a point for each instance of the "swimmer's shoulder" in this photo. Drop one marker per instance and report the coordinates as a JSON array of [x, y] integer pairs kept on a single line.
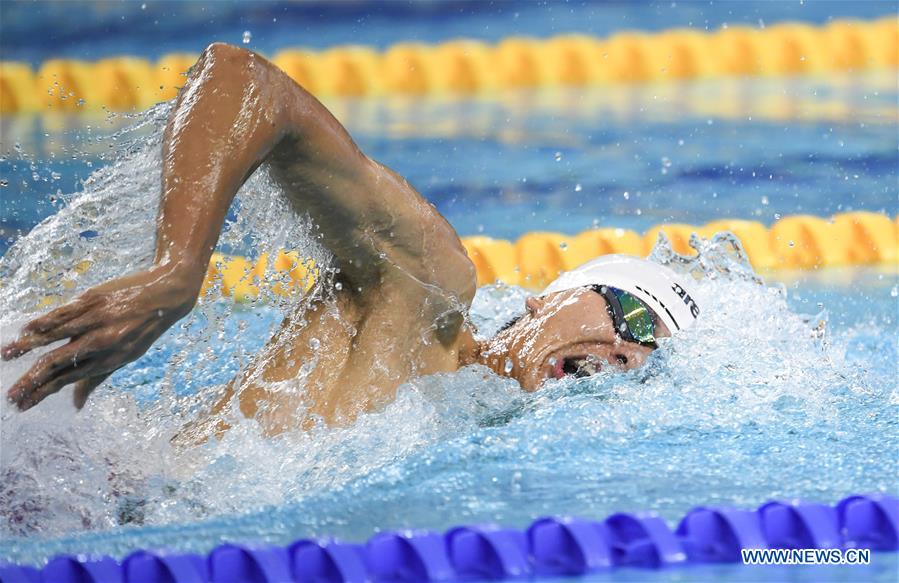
[[426, 242]]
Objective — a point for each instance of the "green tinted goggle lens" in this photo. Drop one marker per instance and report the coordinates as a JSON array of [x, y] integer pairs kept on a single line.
[[637, 316], [632, 319]]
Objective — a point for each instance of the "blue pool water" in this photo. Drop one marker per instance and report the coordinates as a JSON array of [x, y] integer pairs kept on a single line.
[[754, 403], [750, 405]]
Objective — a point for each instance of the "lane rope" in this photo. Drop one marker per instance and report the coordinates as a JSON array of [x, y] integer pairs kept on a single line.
[[468, 67], [552, 546]]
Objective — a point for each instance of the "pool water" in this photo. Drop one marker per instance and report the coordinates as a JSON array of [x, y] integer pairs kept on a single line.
[[759, 400]]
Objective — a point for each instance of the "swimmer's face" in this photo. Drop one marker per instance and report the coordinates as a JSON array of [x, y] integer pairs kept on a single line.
[[563, 333]]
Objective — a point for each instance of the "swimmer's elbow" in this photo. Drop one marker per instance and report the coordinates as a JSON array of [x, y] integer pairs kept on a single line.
[[236, 68], [226, 65], [244, 77], [218, 52]]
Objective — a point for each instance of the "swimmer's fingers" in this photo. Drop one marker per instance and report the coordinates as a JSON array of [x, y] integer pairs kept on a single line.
[[66, 377], [85, 387], [55, 318], [62, 362], [61, 323], [28, 342]]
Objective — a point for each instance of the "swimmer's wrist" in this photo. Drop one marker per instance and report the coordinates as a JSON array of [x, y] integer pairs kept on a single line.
[[182, 279]]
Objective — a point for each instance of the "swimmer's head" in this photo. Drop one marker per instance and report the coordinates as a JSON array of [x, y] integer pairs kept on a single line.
[[606, 313]]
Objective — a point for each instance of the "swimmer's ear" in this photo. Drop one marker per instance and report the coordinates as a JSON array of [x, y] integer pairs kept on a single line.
[[84, 388]]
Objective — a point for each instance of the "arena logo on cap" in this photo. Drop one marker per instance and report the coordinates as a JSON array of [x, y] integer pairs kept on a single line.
[[682, 293]]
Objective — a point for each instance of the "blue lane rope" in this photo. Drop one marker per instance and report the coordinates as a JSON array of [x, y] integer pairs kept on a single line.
[[551, 546]]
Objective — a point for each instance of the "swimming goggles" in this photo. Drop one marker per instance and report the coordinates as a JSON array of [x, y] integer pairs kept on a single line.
[[633, 320]]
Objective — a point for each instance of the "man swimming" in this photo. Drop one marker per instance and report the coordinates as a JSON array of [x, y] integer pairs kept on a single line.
[[403, 282]]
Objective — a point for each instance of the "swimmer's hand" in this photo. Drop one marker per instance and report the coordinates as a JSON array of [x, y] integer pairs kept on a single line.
[[108, 326]]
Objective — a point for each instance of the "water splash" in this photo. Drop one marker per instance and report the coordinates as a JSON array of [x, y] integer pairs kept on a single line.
[[105, 230], [749, 403]]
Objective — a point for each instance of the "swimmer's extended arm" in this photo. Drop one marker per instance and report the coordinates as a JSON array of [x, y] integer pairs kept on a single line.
[[236, 111]]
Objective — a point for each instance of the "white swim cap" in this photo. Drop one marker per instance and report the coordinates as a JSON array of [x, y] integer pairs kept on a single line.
[[655, 285]]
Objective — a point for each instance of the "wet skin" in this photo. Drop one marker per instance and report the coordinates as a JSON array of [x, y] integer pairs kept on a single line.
[[568, 332], [406, 282]]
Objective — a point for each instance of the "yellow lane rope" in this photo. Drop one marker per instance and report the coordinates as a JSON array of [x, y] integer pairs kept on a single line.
[[535, 259], [466, 67]]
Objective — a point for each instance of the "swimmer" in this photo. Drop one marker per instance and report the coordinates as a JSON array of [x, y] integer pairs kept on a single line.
[[403, 281]]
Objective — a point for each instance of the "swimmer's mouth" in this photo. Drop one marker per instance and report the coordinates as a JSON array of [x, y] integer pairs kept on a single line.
[[576, 366]]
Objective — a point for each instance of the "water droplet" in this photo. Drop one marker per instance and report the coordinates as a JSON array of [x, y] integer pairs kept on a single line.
[[4, 182], [508, 366], [314, 343], [143, 6], [765, 200], [666, 164], [894, 292], [247, 37], [563, 245], [626, 195], [338, 286], [791, 244], [578, 187], [558, 156]]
